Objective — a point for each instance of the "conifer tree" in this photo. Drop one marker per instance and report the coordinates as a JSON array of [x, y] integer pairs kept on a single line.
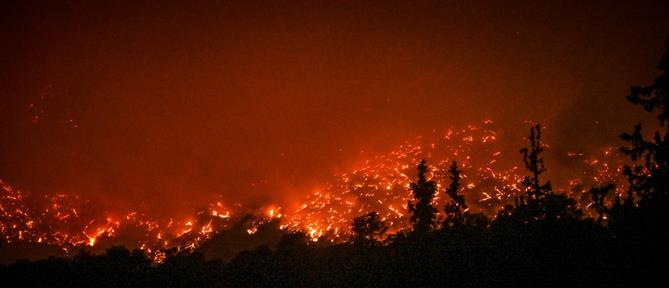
[[539, 201], [649, 175], [423, 213], [455, 208], [647, 199], [535, 164]]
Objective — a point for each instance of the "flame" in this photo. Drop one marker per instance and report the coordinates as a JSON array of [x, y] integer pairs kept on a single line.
[[379, 183]]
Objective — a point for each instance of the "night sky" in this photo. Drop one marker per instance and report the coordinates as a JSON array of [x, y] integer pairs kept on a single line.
[[163, 107]]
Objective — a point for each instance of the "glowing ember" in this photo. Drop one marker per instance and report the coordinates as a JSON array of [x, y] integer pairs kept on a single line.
[[379, 184]]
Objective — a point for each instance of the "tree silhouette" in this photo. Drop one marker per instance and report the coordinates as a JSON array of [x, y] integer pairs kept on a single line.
[[598, 196], [292, 241], [539, 201], [647, 200], [456, 206], [531, 206], [535, 164], [423, 213], [367, 229], [649, 175]]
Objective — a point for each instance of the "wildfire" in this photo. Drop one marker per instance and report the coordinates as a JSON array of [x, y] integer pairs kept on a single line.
[[379, 184]]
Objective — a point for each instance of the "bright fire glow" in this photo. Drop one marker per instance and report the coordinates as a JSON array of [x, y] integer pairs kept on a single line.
[[379, 183]]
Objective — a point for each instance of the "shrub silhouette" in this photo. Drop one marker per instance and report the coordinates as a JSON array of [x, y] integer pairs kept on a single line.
[[367, 229]]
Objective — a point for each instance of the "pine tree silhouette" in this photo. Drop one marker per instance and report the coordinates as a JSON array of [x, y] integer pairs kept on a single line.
[[531, 206], [649, 176], [647, 200], [535, 164], [539, 201], [455, 208], [423, 213]]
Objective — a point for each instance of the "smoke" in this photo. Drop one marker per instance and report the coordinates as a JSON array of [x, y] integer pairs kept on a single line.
[[162, 109]]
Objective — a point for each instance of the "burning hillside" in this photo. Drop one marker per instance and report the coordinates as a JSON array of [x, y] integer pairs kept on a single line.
[[491, 178]]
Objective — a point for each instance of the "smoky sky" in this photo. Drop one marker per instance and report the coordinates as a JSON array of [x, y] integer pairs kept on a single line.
[[165, 106]]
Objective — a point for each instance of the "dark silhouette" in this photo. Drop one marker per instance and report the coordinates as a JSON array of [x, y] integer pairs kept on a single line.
[[598, 195], [455, 208], [640, 217], [423, 214], [539, 201], [536, 192], [367, 229], [649, 175]]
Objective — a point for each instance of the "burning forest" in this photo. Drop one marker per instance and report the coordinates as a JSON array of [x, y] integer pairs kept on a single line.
[[333, 144], [381, 184]]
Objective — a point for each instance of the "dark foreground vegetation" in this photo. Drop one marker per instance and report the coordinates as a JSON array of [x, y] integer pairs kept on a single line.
[[543, 239]]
